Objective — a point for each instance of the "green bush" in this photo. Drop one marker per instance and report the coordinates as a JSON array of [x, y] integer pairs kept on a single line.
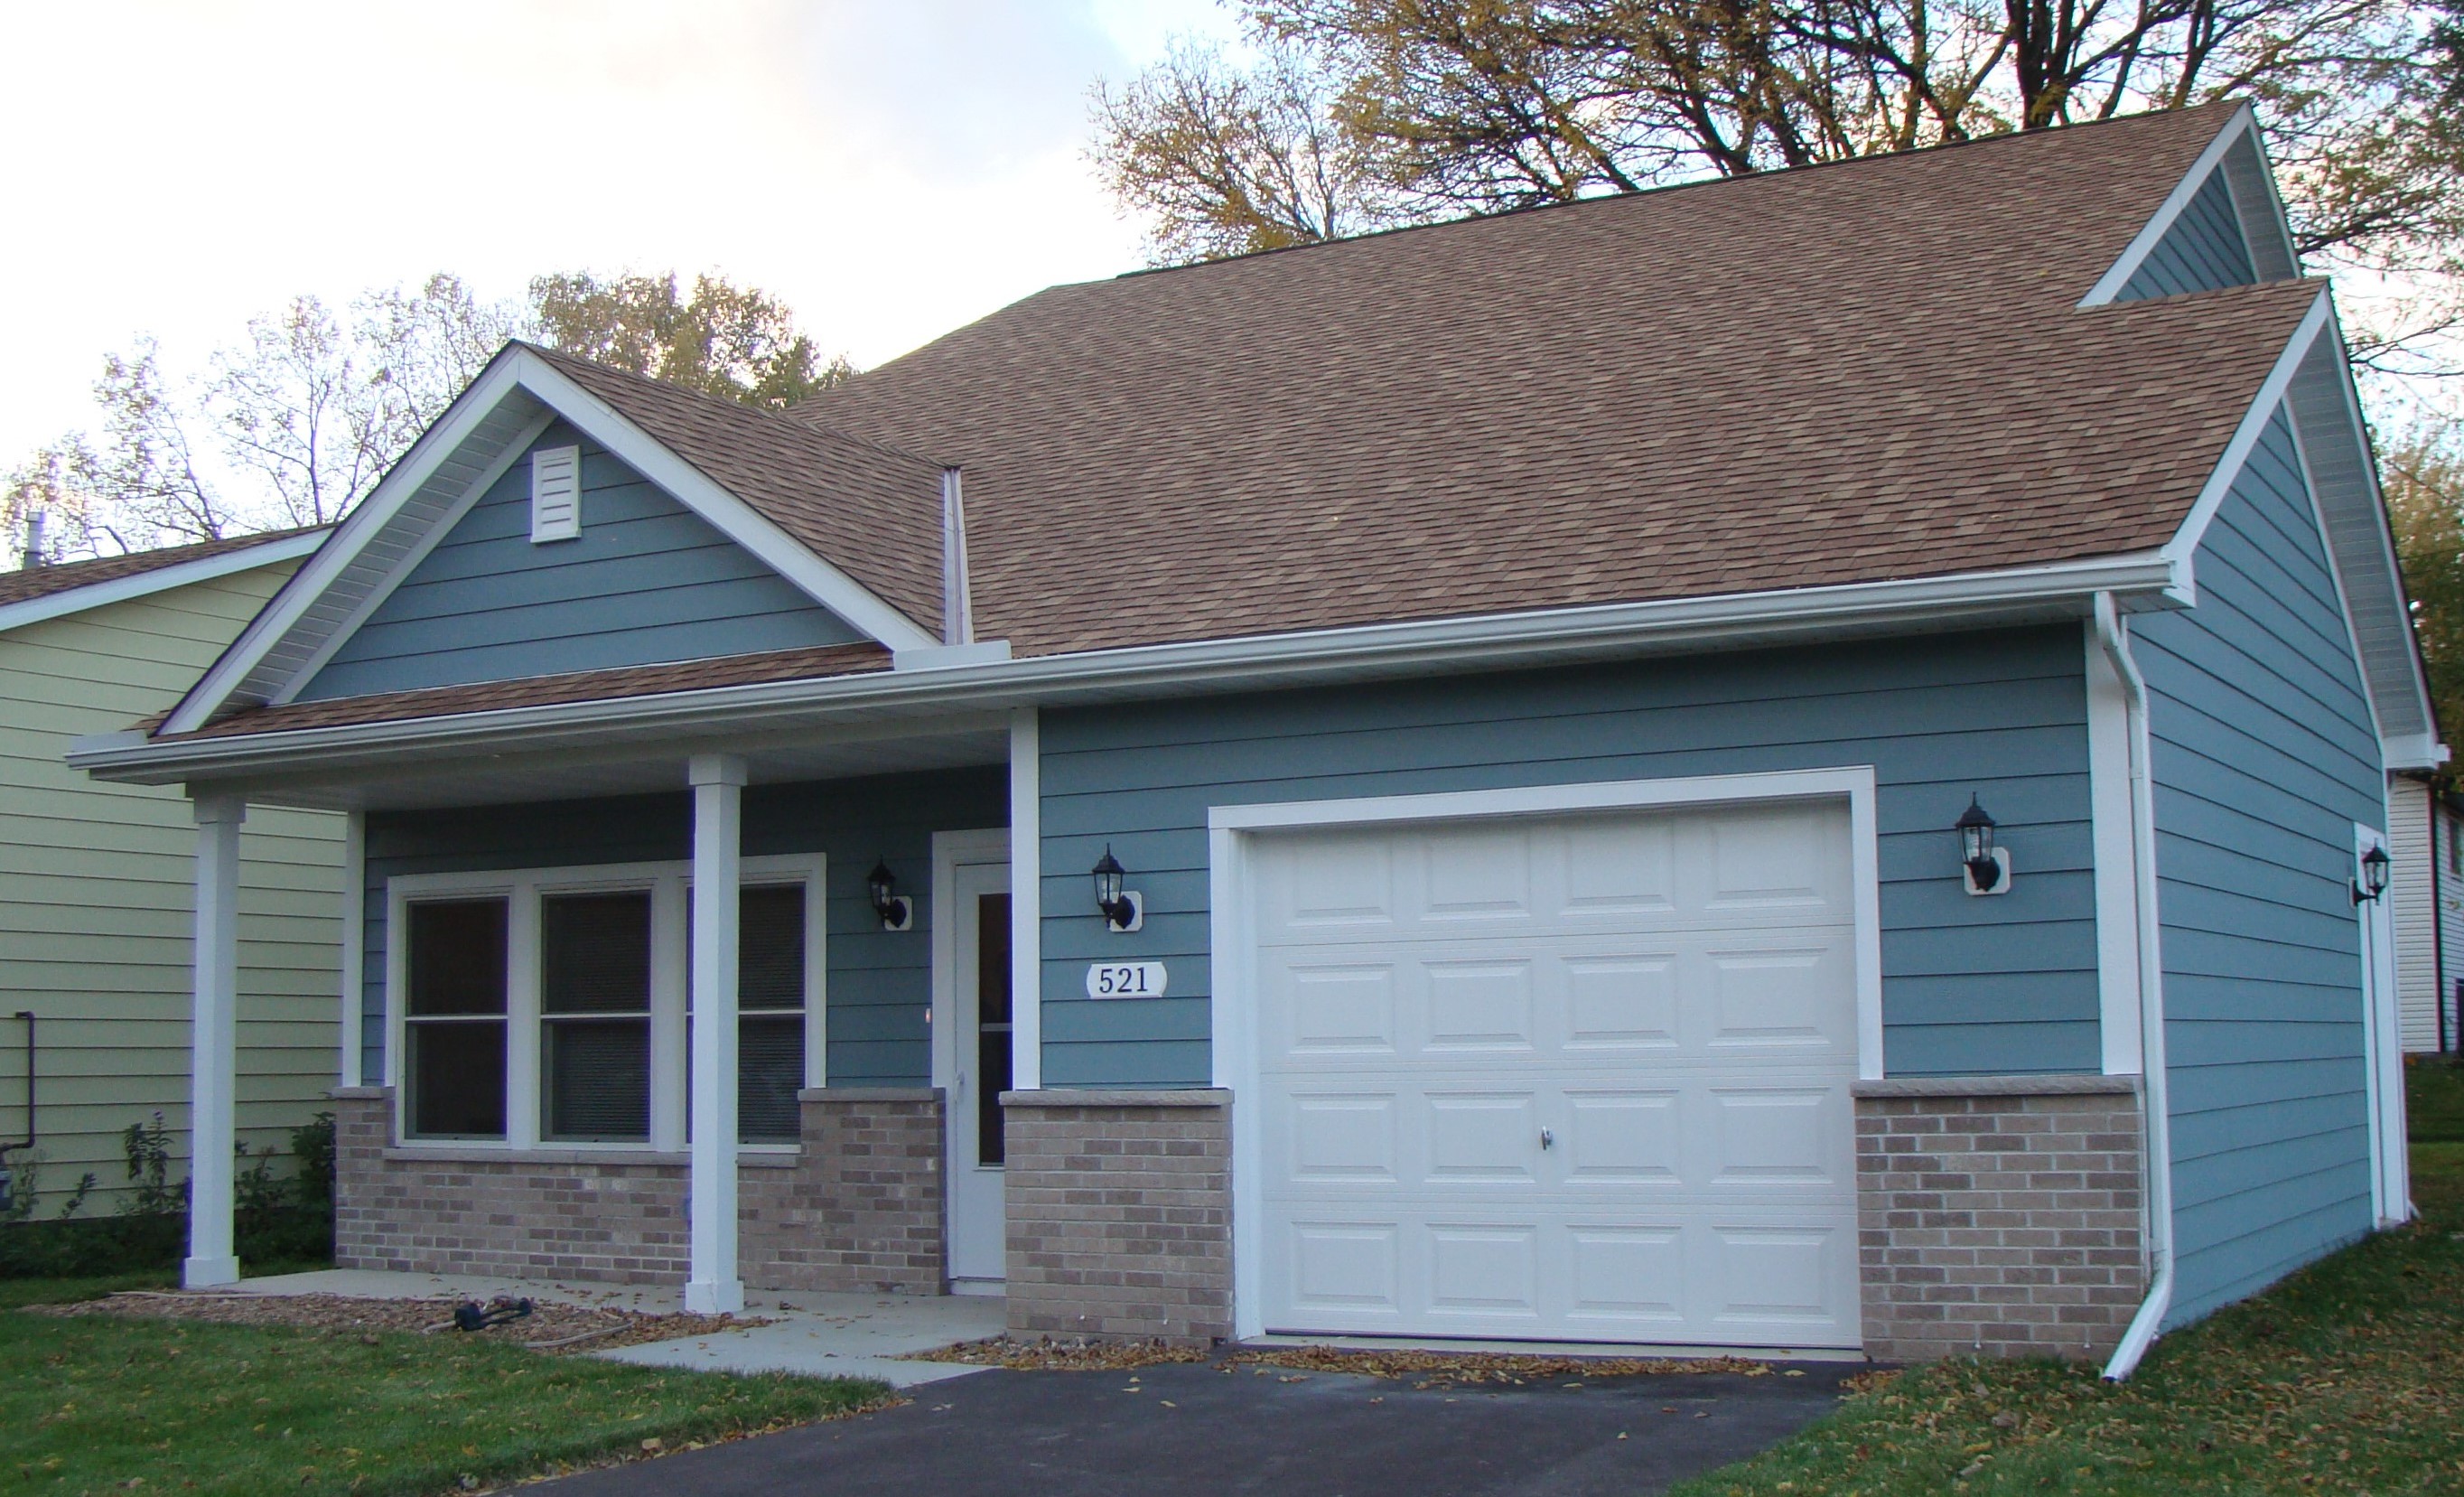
[[276, 1218]]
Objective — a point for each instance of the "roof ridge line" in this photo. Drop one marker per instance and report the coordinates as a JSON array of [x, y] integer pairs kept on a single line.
[[1664, 187]]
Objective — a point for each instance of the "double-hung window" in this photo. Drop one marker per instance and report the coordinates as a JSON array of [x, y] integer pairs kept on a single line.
[[550, 1006]]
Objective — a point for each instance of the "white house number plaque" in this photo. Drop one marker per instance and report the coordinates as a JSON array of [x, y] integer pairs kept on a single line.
[[1125, 979]]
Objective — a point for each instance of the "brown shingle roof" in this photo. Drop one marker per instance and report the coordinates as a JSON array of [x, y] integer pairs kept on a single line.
[[546, 690], [1854, 372], [43, 582], [871, 511], [1869, 370]]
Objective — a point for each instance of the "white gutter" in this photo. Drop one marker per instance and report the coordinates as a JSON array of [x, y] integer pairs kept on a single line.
[[2148, 1323], [969, 682]]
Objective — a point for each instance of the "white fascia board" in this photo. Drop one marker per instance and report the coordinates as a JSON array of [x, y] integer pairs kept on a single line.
[[823, 582], [1496, 641], [2193, 529], [181, 574], [361, 525], [340, 634], [518, 368], [2152, 232]]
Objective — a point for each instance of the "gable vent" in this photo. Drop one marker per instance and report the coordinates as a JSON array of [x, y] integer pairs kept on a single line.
[[556, 494]]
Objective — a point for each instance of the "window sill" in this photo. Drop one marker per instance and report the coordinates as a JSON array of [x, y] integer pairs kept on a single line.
[[760, 1157]]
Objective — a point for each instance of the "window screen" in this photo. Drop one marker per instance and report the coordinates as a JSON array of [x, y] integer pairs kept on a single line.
[[453, 1019], [594, 1015]]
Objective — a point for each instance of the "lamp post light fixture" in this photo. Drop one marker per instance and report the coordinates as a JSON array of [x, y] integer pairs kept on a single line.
[[2375, 865], [897, 912], [1985, 866], [1123, 909]]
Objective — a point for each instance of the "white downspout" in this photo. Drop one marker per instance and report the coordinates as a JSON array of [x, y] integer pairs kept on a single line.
[[2152, 1090]]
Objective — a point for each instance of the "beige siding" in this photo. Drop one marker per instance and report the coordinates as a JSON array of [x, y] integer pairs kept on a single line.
[[95, 896], [2408, 889]]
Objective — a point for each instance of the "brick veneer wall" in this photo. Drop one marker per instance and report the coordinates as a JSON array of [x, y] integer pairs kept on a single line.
[[1120, 1214], [857, 1207], [1998, 1215]]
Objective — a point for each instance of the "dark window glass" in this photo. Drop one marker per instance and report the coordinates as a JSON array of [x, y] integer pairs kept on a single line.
[[457, 958], [594, 1015], [453, 1019], [770, 1004], [992, 1024], [457, 1080]]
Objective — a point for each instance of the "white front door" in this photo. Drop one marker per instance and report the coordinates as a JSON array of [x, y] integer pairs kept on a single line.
[[971, 1048], [1569, 1077]]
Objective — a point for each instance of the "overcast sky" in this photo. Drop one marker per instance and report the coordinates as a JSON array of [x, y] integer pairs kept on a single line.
[[893, 168]]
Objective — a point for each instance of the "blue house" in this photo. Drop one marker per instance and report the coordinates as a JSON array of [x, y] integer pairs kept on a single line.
[[1790, 762]]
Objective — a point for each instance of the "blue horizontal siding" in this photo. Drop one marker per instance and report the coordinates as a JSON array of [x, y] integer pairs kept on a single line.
[[880, 982], [1969, 985], [2203, 251], [647, 581], [2264, 758]]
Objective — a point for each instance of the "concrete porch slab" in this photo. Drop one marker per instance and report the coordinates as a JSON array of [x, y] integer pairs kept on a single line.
[[822, 1335]]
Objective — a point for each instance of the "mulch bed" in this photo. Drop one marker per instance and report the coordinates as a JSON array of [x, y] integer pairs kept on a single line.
[[1424, 1369], [550, 1327]]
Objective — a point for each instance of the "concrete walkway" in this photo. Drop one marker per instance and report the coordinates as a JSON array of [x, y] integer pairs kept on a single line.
[[834, 1335]]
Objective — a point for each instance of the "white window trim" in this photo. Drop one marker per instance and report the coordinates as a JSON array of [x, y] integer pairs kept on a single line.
[[668, 883], [1231, 829]]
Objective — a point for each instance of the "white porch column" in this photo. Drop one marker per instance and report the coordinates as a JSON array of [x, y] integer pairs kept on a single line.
[[213, 1061], [718, 819]]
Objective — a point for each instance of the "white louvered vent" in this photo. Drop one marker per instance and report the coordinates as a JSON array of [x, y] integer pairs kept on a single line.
[[556, 494]]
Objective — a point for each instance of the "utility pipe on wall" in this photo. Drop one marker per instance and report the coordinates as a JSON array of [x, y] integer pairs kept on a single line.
[[2146, 1325]]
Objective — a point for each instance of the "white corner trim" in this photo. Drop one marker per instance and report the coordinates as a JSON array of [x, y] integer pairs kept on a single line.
[[2193, 529], [1026, 900], [2152, 232], [1231, 897], [2381, 1047], [822, 582], [162, 579], [408, 563], [2112, 836]]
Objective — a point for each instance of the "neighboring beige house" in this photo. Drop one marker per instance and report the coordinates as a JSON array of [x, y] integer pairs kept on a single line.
[[97, 880], [2426, 838]]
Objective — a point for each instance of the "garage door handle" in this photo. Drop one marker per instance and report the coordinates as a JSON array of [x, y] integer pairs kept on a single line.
[[1547, 1138]]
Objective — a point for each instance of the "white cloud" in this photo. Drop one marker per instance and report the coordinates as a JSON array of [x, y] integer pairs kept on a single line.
[[893, 171]]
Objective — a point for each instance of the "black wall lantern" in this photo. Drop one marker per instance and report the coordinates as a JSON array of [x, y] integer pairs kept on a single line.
[[2373, 882], [897, 911], [1123, 909], [1986, 868]]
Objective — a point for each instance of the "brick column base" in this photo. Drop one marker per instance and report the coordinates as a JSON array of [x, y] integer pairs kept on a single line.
[[1120, 1214], [1998, 1215], [858, 1206]]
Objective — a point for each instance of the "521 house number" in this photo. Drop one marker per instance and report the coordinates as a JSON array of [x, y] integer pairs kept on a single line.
[[1125, 979]]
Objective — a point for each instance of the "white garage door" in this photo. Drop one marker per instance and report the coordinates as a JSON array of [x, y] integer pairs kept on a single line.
[[1581, 1078]]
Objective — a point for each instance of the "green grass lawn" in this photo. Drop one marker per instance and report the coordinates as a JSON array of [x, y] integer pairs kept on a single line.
[[2347, 1377], [96, 1404]]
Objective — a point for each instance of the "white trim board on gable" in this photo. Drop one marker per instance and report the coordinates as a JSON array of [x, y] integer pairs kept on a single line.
[[2313, 384], [2236, 150], [470, 447]]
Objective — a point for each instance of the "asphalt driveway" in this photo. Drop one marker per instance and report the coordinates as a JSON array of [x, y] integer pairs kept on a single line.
[[1190, 1429]]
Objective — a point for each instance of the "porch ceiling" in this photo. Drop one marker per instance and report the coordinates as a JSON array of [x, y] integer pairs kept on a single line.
[[513, 776]]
